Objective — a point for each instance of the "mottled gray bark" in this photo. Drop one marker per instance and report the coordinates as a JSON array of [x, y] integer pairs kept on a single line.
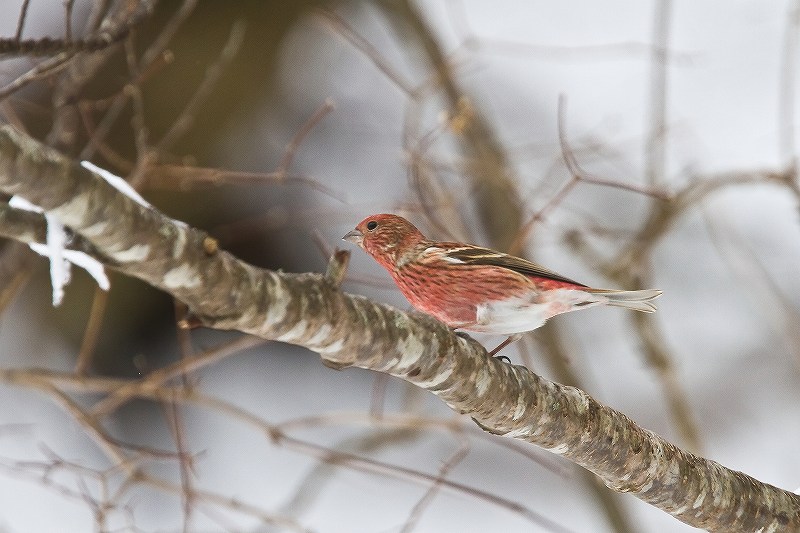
[[346, 330]]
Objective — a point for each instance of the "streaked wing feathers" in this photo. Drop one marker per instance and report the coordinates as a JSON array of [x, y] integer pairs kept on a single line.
[[474, 255]]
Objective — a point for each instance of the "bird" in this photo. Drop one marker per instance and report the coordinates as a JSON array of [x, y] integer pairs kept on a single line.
[[476, 289]]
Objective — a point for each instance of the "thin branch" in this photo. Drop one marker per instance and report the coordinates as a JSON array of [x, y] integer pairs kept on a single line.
[[774, 306], [158, 378], [655, 144], [427, 498], [787, 94], [182, 177], [42, 70], [68, 7], [23, 15], [343, 29], [291, 148], [91, 334], [213, 73], [172, 412], [577, 175], [95, 431], [16, 268]]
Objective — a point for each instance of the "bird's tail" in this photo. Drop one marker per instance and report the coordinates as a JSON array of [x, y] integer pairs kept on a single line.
[[636, 300]]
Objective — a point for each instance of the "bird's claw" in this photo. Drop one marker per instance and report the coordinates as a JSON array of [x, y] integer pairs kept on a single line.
[[503, 358]]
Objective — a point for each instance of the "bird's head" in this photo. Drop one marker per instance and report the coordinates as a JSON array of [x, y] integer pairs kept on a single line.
[[385, 237]]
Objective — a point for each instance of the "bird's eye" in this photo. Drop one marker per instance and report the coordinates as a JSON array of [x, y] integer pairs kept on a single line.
[[371, 225]]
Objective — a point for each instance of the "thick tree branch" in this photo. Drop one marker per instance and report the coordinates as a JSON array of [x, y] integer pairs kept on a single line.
[[309, 310]]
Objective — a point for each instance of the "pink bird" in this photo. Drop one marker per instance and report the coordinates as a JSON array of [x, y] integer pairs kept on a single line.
[[477, 289]]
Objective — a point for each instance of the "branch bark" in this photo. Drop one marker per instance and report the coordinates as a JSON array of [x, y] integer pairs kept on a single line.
[[346, 330]]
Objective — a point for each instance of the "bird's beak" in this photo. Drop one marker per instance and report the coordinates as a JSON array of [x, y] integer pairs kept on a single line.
[[354, 236]]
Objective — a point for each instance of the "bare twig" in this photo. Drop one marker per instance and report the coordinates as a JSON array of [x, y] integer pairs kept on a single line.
[[159, 377], [42, 70], [183, 178], [787, 96], [577, 175], [302, 133], [212, 76], [343, 29], [92, 332], [23, 14], [655, 144], [427, 498]]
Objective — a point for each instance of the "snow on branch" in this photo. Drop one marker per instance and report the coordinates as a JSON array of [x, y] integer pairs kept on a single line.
[[61, 258]]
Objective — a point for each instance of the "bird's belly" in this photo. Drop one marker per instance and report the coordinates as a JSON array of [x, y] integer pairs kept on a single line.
[[509, 317], [518, 315]]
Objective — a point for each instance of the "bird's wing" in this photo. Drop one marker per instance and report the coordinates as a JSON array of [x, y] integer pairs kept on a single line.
[[475, 255]]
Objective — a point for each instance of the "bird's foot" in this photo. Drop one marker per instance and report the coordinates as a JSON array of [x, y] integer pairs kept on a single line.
[[502, 345], [509, 340]]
